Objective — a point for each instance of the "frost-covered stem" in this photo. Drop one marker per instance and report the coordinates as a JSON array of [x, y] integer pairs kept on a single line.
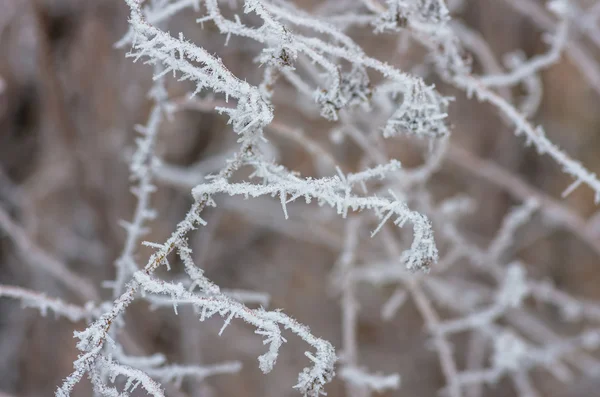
[[532, 85], [322, 158], [473, 320], [205, 70], [336, 192], [533, 135], [547, 357], [142, 170], [310, 381], [156, 16], [510, 294], [289, 12], [174, 373], [271, 29], [391, 306], [537, 331], [243, 296], [418, 96], [349, 321], [275, 34], [384, 68], [44, 303], [134, 377]]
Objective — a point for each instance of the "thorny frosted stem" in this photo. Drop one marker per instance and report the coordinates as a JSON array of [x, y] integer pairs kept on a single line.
[[44, 303], [142, 170], [246, 297], [252, 111], [134, 377], [417, 94], [174, 373], [532, 134], [335, 192], [310, 381], [156, 16]]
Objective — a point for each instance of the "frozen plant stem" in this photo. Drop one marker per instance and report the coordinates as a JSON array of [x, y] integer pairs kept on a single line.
[[142, 168]]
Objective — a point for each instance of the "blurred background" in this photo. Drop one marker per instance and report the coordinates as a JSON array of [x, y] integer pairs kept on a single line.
[[68, 103]]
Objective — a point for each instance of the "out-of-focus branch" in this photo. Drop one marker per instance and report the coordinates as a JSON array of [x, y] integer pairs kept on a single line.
[[552, 209], [533, 65], [43, 303], [431, 319], [37, 257], [582, 60]]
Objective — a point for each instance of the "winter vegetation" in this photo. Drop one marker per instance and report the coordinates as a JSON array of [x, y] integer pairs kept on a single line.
[[296, 198]]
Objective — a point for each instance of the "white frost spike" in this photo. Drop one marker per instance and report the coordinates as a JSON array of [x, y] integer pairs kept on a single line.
[[282, 197], [572, 187]]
